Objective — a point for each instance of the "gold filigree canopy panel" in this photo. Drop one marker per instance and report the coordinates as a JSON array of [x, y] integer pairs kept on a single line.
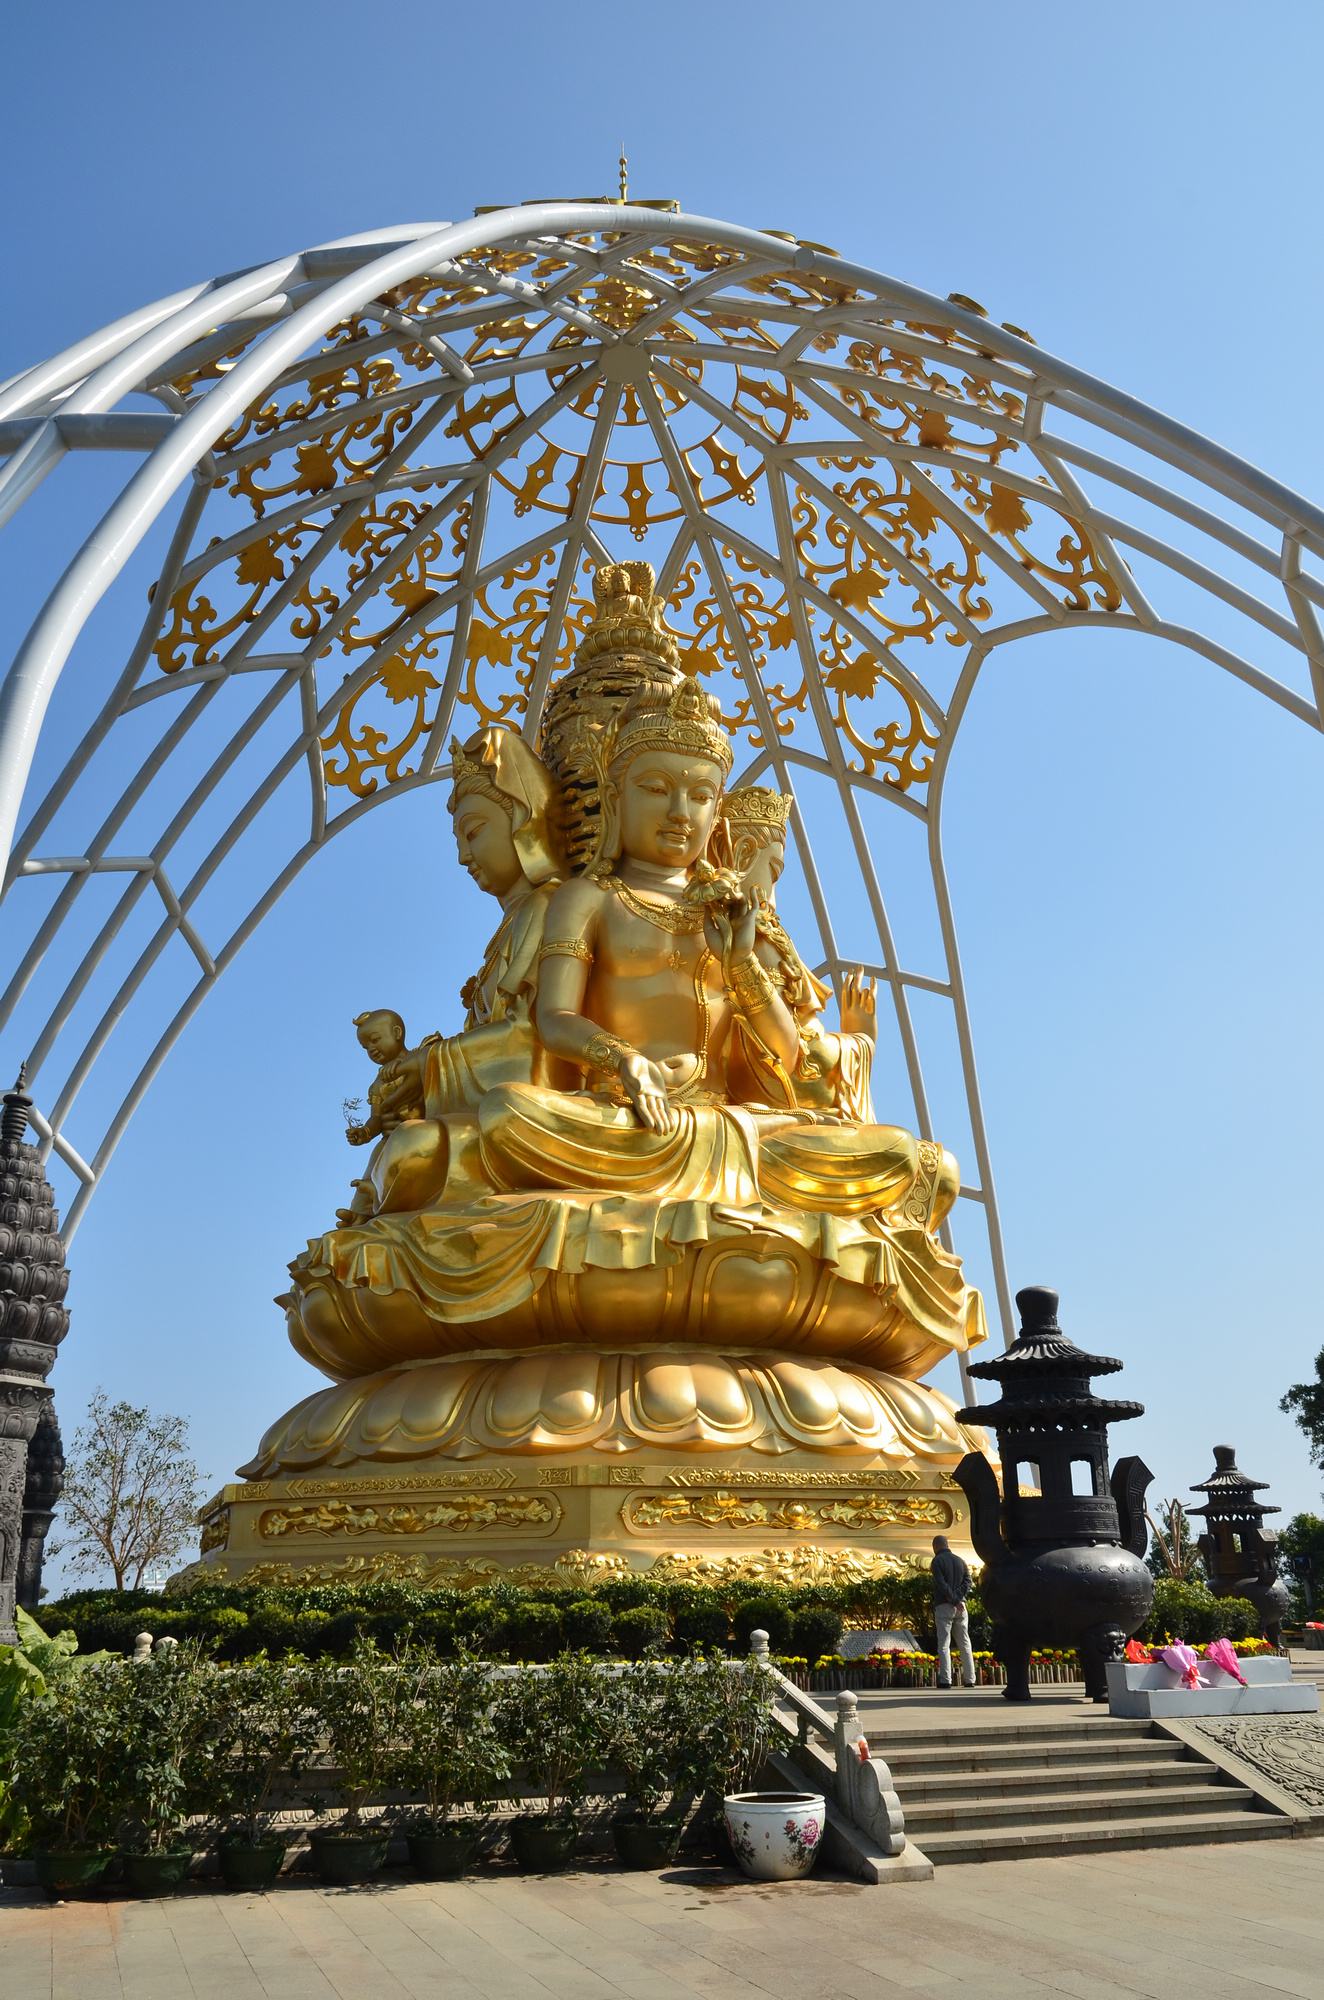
[[487, 506]]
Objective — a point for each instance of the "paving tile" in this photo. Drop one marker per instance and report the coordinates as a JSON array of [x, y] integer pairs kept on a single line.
[[1234, 1921]]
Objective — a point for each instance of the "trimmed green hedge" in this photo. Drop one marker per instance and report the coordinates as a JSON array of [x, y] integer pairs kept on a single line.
[[627, 1617]]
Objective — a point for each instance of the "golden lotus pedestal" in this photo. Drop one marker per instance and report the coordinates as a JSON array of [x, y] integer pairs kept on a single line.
[[572, 1466]]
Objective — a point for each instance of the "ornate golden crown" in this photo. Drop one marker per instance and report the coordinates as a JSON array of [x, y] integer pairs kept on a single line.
[[687, 721], [474, 774], [757, 805], [627, 620]]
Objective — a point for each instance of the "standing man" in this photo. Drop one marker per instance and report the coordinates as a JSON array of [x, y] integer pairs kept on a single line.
[[951, 1587]]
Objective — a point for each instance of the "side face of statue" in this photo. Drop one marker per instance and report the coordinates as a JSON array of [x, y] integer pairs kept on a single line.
[[832, 1071], [502, 811]]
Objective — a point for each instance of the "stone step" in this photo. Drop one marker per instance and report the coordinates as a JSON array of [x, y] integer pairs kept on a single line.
[[963, 1753], [1086, 1728], [1066, 1808], [1017, 1842], [1156, 1774]]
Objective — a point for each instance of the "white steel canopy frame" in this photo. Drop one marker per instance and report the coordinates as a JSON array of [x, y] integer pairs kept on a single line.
[[394, 462]]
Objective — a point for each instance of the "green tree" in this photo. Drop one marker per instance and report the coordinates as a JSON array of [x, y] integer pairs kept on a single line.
[[131, 1493], [1305, 1402], [1304, 1536]]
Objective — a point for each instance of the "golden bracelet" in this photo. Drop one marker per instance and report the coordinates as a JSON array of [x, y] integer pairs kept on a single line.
[[751, 989], [566, 948], [606, 1052]]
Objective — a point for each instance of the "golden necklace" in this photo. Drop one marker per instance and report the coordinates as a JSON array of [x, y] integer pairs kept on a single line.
[[673, 917]]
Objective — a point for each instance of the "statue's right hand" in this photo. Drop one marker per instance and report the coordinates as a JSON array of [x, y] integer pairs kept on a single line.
[[357, 1135], [646, 1088]]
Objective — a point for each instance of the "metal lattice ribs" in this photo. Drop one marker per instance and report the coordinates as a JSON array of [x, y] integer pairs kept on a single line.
[[393, 464]]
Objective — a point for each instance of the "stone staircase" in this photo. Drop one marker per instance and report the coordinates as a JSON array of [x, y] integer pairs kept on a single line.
[[995, 1792]]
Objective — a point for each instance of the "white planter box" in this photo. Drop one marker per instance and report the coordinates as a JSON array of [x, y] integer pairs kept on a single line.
[[1156, 1690]]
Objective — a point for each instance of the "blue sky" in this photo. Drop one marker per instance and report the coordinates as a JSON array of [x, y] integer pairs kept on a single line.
[[1133, 840]]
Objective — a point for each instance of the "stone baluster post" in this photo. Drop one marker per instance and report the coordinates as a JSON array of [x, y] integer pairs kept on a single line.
[[864, 1783]]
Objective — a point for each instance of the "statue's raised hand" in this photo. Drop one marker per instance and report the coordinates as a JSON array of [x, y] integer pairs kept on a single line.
[[646, 1088], [729, 930], [859, 1005]]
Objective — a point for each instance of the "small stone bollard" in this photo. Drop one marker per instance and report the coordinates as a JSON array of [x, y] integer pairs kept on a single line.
[[758, 1646], [142, 1648], [166, 1645]]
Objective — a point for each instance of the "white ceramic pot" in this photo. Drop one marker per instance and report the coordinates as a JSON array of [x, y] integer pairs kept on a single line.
[[775, 1835]]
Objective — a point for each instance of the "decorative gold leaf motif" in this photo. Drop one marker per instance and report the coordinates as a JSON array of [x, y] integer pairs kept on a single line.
[[915, 430], [803, 1514], [457, 1511], [579, 1568]]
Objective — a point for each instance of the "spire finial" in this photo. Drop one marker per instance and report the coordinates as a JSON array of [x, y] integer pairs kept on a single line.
[[624, 166], [17, 1104]]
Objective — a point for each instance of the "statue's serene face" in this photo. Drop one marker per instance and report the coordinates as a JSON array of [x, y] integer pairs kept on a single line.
[[486, 844], [763, 870], [667, 803]]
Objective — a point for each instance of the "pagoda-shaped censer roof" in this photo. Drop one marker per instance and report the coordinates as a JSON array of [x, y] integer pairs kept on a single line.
[[1045, 1377], [1229, 1489]]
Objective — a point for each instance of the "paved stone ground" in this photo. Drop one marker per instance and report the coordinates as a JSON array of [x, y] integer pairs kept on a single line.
[[1215, 1921]]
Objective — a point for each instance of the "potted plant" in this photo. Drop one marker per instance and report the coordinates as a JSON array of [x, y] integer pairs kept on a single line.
[[160, 1712], [556, 1722], [357, 1704], [450, 1756], [265, 1731], [66, 1772], [651, 1703], [774, 1835], [27, 1670], [722, 1723]]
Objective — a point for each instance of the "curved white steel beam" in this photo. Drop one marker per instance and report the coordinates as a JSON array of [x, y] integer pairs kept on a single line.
[[775, 324]]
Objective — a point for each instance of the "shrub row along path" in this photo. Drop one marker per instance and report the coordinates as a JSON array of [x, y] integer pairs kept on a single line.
[[1222, 1921]]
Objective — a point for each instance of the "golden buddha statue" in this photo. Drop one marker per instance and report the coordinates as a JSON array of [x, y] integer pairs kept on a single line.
[[647, 1205]]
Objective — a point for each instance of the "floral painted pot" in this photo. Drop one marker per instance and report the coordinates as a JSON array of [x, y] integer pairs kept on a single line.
[[775, 1836]]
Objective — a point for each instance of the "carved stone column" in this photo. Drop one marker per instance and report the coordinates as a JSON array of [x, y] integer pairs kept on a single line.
[[33, 1322], [42, 1489]]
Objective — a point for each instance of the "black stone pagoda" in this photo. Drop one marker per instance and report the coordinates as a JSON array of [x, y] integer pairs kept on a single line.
[[33, 1322], [1240, 1556], [1061, 1543]]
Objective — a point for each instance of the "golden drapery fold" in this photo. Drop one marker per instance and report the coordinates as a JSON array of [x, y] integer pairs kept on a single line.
[[537, 1267]]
